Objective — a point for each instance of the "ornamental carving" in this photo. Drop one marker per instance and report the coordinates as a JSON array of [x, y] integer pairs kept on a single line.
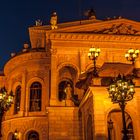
[[41, 74], [53, 51], [66, 59], [119, 29], [16, 61], [96, 37], [17, 79]]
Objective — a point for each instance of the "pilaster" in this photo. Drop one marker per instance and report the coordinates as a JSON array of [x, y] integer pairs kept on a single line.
[[23, 91], [136, 122], [99, 117], [83, 55], [54, 96]]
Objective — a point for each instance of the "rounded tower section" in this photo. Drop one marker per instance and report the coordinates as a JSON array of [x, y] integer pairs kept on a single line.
[[27, 75]]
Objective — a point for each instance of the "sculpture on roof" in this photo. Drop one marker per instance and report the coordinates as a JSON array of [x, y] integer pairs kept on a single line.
[[53, 20], [119, 29], [38, 22], [90, 14]]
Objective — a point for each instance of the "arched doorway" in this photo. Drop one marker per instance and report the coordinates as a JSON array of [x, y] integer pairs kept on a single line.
[[115, 125], [11, 136]]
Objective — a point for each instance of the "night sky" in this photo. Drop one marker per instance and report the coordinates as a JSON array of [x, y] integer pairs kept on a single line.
[[18, 15]]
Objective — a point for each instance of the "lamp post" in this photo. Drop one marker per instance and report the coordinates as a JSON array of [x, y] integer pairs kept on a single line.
[[121, 90], [132, 54], [93, 55], [5, 102]]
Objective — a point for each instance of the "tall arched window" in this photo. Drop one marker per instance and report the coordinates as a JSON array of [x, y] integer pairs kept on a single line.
[[35, 96], [11, 136], [17, 99], [33, 135]]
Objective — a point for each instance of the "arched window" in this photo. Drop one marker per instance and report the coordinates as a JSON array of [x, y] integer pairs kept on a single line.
[[33, 135], [17, 99], [11, 136], [35, 96], [115, 122]]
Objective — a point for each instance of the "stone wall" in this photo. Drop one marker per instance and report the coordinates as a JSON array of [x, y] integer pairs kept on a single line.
[[24, 126], [64, 123]]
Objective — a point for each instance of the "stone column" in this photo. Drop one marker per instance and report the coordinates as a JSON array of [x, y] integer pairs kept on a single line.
[[54, 94], [137, 63], [100, 121]]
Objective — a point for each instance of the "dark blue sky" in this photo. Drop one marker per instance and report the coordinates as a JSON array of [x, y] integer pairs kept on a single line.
[[18, 15]]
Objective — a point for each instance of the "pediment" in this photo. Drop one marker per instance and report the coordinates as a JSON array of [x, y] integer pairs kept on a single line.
[[117, 29], [113, 27]]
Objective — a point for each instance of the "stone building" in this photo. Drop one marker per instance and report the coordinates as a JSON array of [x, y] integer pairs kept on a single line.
[[53, 99]]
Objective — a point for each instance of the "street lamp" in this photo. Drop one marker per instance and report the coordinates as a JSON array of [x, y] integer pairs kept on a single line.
[[93, 55], [132, 54], [121, 90], [5, 102]]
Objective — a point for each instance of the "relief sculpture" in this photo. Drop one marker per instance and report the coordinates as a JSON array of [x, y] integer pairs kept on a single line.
[[119, 29]]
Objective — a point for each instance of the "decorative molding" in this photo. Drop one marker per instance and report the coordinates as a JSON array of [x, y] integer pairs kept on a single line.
[[36, 30], [19, 59], [17, 79], [40, 74], [95, 37], [118, 29], [65, 58], [53, 51], [25, 125], [70, 64]]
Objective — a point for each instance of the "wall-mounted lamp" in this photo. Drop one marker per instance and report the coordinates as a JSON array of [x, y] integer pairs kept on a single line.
[[16, 135]]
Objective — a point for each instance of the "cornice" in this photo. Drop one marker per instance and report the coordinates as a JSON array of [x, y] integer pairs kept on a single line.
[[95, 37], [86, 25], [37, 30], [20, 59]]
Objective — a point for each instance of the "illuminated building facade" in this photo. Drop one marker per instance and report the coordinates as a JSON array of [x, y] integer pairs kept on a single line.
[[48, 105]]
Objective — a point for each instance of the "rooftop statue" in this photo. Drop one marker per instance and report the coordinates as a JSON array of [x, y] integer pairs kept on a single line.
[[90, 14], [53, 21], [38, 22]]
